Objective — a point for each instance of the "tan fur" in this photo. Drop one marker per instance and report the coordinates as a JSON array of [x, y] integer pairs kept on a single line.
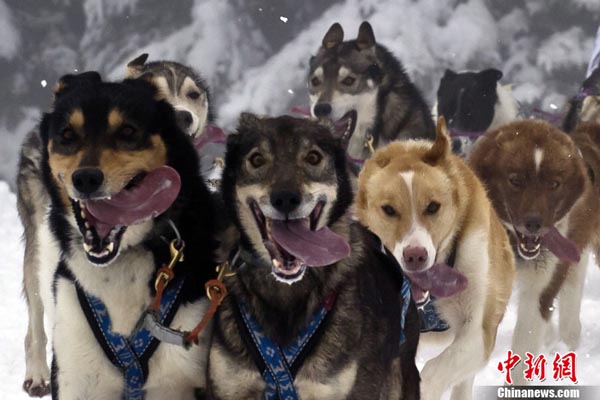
[[122, 166], [119, 167], [115, 119], [77, 120], [465, 219]]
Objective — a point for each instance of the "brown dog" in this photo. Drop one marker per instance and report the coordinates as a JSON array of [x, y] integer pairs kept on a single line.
[[540, 186], [425, 204]]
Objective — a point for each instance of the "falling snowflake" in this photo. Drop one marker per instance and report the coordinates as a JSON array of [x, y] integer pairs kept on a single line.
[[44, 83], [283, 19]]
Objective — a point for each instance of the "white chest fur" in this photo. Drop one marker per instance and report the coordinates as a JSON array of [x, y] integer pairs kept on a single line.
[[84, 370]]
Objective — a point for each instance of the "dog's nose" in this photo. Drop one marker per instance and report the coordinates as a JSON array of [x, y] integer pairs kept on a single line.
[[286, 201], [415, 258], [184, 119], [533, 224], [87, 180], [322, 110]]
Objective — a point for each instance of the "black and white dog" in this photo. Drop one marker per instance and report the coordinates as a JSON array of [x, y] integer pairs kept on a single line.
[[473, 103]]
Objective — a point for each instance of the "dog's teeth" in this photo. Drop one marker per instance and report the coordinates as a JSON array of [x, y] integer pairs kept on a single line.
[[88, 235], [87, 225], [110, 247], [276, 263], [87, 247]]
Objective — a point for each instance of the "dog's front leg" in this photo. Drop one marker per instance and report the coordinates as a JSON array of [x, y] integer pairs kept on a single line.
[[461, 359], [531, 326], [570, 303]]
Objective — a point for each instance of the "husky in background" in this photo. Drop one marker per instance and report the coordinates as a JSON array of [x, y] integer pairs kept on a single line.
[[187, 92], [189, 95], [585, 106], [361, 84], [473, 103]]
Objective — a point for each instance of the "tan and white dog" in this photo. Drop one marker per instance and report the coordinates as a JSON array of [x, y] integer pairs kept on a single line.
[[540, 184], [426, 205]]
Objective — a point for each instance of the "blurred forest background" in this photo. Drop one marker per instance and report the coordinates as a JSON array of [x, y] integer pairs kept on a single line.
[[254, 53]]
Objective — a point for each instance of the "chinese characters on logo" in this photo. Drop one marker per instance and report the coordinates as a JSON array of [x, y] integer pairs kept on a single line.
[[563, 367]]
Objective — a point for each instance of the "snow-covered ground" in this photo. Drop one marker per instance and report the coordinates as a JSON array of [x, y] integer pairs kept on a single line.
[[14, 317]]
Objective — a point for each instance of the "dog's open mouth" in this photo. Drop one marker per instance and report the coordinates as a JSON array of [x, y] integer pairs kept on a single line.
[[102, 222], [295, 244], [529, 247], [344, 127]]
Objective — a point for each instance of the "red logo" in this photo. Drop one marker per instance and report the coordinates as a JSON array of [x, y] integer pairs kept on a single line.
[[563, 367]]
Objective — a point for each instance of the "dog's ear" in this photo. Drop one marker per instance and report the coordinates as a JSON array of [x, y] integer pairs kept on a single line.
[[449, 74], [66, 83], [249, 121], [334, 36], [145, 79], [136, 66], [491, 76], [441, 147], [366, 38]]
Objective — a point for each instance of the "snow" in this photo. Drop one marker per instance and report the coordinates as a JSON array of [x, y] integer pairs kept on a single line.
[[254, 54], [8, 32], [14, 322]]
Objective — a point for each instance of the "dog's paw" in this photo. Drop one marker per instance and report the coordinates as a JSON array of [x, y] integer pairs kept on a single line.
[[37, 387]]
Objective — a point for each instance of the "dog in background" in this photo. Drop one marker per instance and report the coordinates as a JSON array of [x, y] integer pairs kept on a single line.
[[585, 106], [434, 216], [188, 93], [288, 190], [124, 183], [361, 85], [540, 186], [473, 103]]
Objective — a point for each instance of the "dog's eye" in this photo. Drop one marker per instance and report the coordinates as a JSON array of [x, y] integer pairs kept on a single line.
[[127, 132], [389, 210], [554, 185], [315, 81], [313, 157], [193, 95], [349, 81], [515, 181], [432, 208], [67, 136], [257, 160]]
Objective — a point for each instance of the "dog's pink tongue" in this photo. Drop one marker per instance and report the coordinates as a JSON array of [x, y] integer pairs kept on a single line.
[[211, 134], [151, 197], [440, 280], [303, 110], [565, 249], [313, 248]]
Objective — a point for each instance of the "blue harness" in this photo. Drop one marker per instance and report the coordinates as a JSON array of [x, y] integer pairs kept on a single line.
[[275, 362], [278, 366], [129, 354]]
